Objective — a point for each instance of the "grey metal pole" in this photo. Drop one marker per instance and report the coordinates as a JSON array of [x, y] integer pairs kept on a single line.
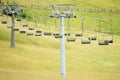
[[12, 31], [62, 52]]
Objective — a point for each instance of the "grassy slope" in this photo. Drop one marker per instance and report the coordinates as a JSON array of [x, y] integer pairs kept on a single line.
[[82, 4], [37, 58]]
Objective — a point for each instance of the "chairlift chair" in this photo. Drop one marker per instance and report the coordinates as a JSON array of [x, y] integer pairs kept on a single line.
[[22, 32], [92, 35], [109, 40], [47, 28], [38, 33], [110, 32], [80, 34], [57, 35], [30, 32], [86, 40], [103, 41], [26, 24], [92, 38], [47, 33], [71, 39], [70, 33], [16, 29], [67, 34], [4, 22], [8, 26], [18, 19], [92, 32]]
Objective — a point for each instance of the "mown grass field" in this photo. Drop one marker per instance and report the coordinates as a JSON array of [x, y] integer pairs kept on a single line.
[[38, 58]]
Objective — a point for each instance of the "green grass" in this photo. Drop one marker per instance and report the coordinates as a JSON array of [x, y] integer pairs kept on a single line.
[[81, 4], [38, 58]]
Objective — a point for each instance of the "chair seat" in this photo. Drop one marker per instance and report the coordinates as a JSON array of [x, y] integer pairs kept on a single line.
[[22, 32], [71, 39], [78, 35], [104, 42], [47, 33], [92, 38], [85, 41]]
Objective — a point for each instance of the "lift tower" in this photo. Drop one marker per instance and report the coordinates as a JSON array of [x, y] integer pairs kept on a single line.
[[62, 11]]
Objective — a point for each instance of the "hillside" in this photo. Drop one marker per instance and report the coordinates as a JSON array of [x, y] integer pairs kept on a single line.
[[80, 3], [38, 57]]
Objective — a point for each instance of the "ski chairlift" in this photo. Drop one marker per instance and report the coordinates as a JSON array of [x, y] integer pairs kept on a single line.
[[47, 33], [67, 34], [71, 37], [92, 37], [16, 29], [86, 41], [8, 26], [23, 30], [109, 40], [30, 32], [110, 34], [82, 24], [6, 20], [92, 32], [38, 31], [47, 28], [26, 24], [103, 34], [19, 19], [57, 33], [103, 41]]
